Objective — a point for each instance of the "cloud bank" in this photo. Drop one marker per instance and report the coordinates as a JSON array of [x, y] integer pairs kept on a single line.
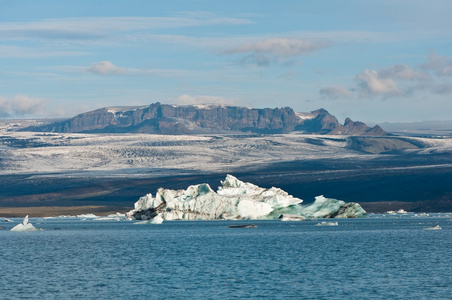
[[268, 51], [441, 65], [106, 68], [398, 80], [20, 106], [335, 92], [203, 99]]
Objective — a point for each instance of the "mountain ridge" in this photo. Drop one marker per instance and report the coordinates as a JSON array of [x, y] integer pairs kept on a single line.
[[160, 118]]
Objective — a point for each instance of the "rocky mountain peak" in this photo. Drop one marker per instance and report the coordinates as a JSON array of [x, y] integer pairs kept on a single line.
[[161, 118]]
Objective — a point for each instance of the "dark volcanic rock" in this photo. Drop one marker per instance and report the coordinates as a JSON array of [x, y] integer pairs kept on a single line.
[[322, 122], [357, 128], [172, 119]]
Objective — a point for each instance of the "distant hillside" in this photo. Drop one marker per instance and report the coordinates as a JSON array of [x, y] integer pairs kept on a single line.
[[425, 128], [191, 119]]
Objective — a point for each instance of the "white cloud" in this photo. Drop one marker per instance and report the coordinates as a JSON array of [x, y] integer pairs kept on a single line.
[[20, 105], [402, 80], [265, 52], [203, 99], [371, 84], [106, 68], [281, 47], [335, 92], [401, 71], [441, 65]]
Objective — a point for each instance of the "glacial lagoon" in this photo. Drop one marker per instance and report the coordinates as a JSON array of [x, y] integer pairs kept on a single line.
[[379, 257]]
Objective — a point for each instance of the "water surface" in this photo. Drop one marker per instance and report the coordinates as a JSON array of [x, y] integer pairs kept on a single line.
[[361, 258]]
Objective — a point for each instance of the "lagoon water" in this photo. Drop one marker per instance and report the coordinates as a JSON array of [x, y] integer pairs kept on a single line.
[[376, 257]]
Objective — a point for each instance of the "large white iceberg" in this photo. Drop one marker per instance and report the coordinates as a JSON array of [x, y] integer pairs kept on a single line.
[[235, 200], [24, 226]]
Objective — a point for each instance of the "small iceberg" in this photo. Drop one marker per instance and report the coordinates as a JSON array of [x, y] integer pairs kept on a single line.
[[436, 227], [24, 226], [291, 217], [243, 226], [7, 220], [324, 223], [107, 219], [399, 212], [421, 215], [87, 216]]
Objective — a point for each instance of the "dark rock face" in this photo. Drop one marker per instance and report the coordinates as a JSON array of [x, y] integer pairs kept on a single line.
[[322, 123], [325, 123], [171, 119]]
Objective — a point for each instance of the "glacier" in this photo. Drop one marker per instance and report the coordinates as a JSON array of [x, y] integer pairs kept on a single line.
[[236, 200]]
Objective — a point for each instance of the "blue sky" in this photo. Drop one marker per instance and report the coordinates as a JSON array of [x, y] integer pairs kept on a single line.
[[373, 61]]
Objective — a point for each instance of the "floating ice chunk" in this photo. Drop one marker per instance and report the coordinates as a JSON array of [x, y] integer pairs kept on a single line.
[[87, 216], [421, 215], [107, 219], [24, 226], [116, 215], [324, 223], [291, 217], [243, 226], [436, 227], [398, 212], [332, 208]]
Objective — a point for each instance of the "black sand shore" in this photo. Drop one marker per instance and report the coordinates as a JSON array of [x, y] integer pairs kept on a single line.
[[418, 184]]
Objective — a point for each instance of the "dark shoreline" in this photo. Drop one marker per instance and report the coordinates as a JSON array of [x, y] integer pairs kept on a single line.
[[413, 183], [55, 211]]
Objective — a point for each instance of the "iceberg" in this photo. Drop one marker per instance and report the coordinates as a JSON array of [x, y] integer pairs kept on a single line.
[[332, 208], [327, 224], [236, 200], [24, 226], [436, 227], [291, 217]]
